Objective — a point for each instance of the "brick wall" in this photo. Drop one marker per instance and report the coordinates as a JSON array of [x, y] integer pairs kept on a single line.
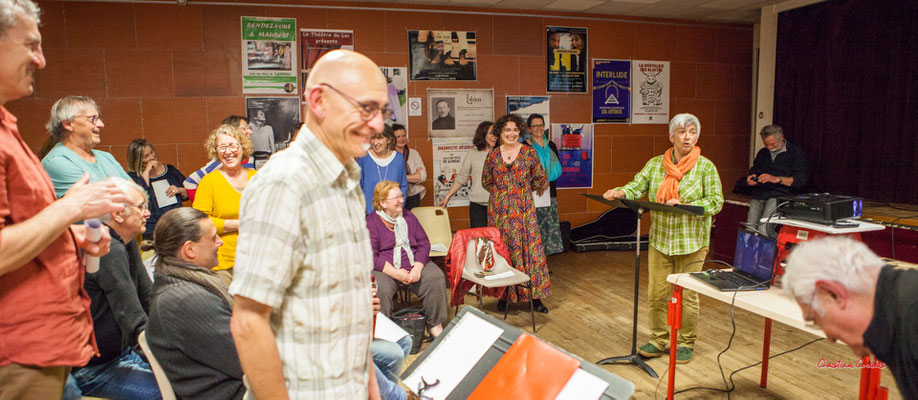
[[171, 73]]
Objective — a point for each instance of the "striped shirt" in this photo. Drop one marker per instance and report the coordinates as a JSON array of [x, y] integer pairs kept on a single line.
[[304, 250], [194, 179], [676, 234]]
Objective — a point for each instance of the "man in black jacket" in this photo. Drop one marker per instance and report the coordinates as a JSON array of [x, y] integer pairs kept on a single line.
[[855, 297], [778, 169], [120, 294]]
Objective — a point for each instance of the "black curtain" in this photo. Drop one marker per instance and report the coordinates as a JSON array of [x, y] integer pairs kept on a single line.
[[846, 91]]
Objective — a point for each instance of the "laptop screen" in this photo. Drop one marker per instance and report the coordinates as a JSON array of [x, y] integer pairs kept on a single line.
[[755, 255]]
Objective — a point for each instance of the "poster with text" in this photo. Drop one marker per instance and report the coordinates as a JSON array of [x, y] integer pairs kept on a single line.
[[269, 55], [611, 91], [447, 160], [314, 43], [567, 59], [457, 112], [442, 56], [273, 121], [524, 106], [650, 97], [575, 146], [397, 79]]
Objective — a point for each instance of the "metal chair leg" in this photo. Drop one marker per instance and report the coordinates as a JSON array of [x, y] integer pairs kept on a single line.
[[531, 308], [459, 285], [478, 294]]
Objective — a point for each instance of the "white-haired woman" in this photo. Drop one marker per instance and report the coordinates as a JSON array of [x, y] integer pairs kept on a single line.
[[680, 176]]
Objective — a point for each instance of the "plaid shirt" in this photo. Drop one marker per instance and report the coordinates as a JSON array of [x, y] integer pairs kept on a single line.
[[304, 250], [676, 234]]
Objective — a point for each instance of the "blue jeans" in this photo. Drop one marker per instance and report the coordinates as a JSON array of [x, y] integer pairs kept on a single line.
[[389, 357], [389, 390], [128, 377]]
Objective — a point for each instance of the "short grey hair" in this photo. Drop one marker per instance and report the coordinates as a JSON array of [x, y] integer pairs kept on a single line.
[[66, 109], [844, 260], [126, 186], [772, 130], [11, 11], [683, 121]]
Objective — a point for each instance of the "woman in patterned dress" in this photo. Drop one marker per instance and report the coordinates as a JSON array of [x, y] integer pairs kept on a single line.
[[511, 173]]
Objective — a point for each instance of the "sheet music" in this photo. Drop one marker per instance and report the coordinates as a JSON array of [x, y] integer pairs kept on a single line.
[[438, 247], [388, 330], [159, 190], [583, 385], [455, 356], [542, 201], [505, 274]]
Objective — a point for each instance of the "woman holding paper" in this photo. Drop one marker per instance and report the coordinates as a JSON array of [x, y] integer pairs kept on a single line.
[[511, 173], [163, 182], [546, 213], [472, 167], [401, 254], [220, 191]]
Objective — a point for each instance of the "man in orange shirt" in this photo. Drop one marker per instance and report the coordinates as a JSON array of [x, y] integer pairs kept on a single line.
[[46, 326]]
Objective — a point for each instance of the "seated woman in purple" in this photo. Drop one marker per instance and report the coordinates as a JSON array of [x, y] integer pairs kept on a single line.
[[401, 254]]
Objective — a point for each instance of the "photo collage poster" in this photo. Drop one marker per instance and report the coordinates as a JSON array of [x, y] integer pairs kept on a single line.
[[269, 55]]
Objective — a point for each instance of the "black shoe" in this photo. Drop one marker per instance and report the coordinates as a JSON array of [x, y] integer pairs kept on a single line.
[[501, 305], [537, 306]]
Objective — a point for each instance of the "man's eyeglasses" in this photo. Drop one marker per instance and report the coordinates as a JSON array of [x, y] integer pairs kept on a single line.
[[367, 111], [224, 147], [93, 119], [536, 126], [142, 206]]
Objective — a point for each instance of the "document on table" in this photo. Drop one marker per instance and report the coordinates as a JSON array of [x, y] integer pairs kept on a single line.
[[159, 190], [388, 330], [583, 385], [455, 356]]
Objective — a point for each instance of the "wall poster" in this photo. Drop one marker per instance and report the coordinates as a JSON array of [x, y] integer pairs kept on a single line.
[[447, 160], [526, 105], [456, 113], [316, 42], [611, 91], [273, 121], [269, 55], [650, 97], [567, 59], [397, 79], [442, 56], [575, 145]]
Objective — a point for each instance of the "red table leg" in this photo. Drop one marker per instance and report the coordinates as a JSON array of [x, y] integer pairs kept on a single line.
[[766, 352], [674, 319]]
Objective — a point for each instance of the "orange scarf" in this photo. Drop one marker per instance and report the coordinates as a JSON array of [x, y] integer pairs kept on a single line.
[[669, 188]]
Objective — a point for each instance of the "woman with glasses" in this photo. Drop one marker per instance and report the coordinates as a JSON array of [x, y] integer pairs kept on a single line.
[[511, 173], [401, 255], [219, 192], [547, 215], [163, 182], [76, 122], [382, 163], [472, 166]]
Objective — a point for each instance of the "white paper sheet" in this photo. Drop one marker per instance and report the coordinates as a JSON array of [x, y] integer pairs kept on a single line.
[[502, 275], [438, 247], [542, 201], [388, 330], [159, 190], [583, 385], [455, 356]]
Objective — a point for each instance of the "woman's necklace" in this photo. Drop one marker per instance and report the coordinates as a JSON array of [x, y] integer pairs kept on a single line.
[[379, 172], [509, 155]]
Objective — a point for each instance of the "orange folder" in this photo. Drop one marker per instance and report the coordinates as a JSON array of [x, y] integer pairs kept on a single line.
[[531, 369]]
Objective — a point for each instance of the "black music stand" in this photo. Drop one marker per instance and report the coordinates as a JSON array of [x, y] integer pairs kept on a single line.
[[640, 207]]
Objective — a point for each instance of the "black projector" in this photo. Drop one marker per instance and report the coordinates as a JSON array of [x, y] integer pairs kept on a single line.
[[821, 208]]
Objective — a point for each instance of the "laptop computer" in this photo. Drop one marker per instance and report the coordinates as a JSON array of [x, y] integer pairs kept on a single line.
[[753, 261]]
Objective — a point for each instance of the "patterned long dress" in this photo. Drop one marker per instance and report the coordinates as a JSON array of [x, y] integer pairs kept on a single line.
[[511, 209]]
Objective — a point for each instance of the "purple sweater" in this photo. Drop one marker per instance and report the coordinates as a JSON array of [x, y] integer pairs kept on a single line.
[[383, 241]]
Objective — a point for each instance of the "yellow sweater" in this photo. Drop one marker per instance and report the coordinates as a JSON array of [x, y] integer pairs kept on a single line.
[[220, 200]]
